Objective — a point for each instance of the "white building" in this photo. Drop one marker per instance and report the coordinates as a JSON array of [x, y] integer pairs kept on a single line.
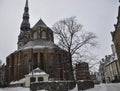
[[110, 67], [36, 75]]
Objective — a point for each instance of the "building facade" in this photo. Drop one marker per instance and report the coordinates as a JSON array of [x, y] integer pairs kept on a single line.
[[113, 67], [2, 75], [36, 75], [110, 68], [82, 71], [102, 71], [93, 77], [36, 48]]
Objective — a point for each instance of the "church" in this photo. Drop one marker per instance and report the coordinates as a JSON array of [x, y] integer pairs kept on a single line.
[[36, 49]]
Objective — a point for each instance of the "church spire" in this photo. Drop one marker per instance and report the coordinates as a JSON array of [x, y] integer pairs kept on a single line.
[[26, 5], [25, 26], [118, 18], [119, 14]]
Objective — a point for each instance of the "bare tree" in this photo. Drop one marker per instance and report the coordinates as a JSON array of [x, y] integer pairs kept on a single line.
[[71, 36], [88, 57]]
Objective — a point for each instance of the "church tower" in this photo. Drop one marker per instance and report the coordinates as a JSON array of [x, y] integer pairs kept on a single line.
[[36, 49], [23, 37]]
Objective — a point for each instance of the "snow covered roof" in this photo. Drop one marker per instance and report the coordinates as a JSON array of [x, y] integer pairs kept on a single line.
[[40, 44], [18, 82], [37, 71]]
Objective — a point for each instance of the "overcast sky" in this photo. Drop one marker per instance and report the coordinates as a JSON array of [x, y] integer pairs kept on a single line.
[[98, 16]]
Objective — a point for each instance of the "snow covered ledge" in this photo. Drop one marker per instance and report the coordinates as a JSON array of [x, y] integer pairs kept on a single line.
[[19, 83]]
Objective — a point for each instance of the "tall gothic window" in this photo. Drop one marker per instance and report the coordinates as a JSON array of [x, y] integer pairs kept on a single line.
[[26, 65], [42, 63], [35, 60], [50, 37], [12, 61], [51, 66], [43, 35], [35, 35]]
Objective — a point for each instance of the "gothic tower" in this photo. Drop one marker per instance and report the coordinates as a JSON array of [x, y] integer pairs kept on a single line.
[[36, 49], [24, 37]]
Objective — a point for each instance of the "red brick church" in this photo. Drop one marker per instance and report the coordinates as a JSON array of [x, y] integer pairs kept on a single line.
[[36, 48]]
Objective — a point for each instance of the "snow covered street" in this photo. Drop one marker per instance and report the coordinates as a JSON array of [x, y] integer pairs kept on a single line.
[[106, 87], [101, 87], [15, 89]]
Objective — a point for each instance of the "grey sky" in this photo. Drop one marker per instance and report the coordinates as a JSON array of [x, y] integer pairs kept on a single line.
[[98, 16]]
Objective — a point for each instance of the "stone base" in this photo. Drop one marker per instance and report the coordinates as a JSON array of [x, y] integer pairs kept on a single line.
[[53, 86], [82, 85], [61, 85]]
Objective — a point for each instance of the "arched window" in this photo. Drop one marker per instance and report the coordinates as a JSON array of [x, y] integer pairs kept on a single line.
[[50, 37], [35, 58], [32, 79], [43, 35], [26, 64], [40, 78], [42, 62], [35, 35]]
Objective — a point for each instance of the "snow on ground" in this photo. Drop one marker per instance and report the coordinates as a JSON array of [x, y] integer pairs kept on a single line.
[[106, 87], [75, 89], [101, 87], [18, 82], [15, 89]]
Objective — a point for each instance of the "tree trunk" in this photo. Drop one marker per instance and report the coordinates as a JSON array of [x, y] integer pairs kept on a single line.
[[71, 76]]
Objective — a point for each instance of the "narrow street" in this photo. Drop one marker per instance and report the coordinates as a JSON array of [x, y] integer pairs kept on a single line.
[[106, 87]]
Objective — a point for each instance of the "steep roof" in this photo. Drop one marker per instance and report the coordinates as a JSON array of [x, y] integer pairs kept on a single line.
[[40, 23], [40, 44]]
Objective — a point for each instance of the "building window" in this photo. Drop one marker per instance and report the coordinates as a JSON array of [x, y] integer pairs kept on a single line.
[[51, 66], [43, 35], [32, 79], [42, 63], [35, 59], [26, 64], [40, 78], [35, 35], [50, 37]]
